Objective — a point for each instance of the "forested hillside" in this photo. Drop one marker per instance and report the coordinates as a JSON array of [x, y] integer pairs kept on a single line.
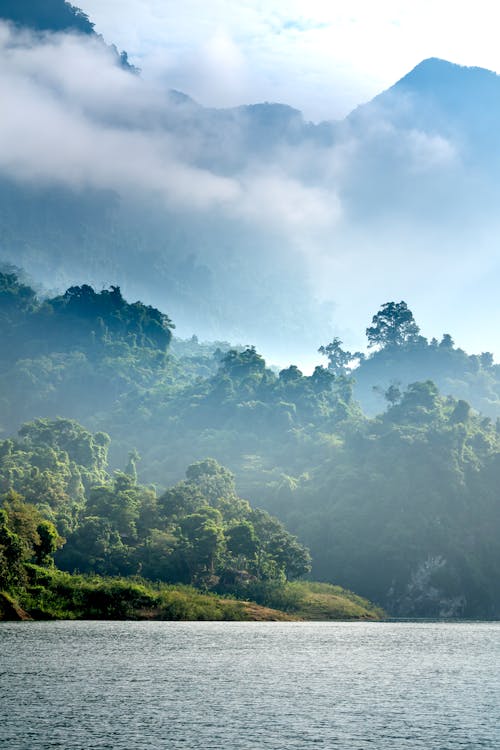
[[55, 483], [401, 507]]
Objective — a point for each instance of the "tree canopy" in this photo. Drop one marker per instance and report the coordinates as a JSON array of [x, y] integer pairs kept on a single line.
[[393, 325], [397, 489]]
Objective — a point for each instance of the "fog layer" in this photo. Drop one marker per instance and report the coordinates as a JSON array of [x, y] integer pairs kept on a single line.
[[251, 223]]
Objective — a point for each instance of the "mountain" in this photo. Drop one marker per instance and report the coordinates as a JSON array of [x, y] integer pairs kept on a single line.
[[249, 223], [54, 16], [443, 98], [46, 15], [454, 88]]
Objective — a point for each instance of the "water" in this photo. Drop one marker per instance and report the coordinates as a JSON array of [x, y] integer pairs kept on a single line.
[[202, 686]]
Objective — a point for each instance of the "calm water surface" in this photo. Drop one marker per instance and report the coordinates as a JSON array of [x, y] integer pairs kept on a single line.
[[132, 686]]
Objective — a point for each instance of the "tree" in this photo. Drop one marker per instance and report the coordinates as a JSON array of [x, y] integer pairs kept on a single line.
[[290, 374], [279, 552], [392, 326], [322, 379], [202, 545], [120, 503], [446, 342], [94, 547], [245, 364], [461, 412], [216, 485], [49, 543], [131, 468], [339, 359], [419, 404], [11, 554], [15, 297], [393, 394], [486, 359], [37, 536], [84, 448], [241, 540]]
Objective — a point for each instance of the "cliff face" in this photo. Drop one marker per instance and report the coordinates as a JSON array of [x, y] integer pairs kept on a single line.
[[423, 596]]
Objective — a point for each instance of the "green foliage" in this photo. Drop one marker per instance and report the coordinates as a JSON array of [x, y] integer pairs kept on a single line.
[[53, 594], [339, 360], [402, 507], [101, 361], [323, 601], [51, 465], [11, 555], [314, 601], [222, 541], [49, 542], [99, 315], [27, 536], [405, 357], [198, 532], [407, 512], [75, 353], [393, 325]]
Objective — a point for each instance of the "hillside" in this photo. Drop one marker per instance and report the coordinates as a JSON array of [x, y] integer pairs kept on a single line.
[[46, 15], [51, 594], [400, 507]]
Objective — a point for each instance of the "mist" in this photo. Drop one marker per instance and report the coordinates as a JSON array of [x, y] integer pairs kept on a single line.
[[249, 224]]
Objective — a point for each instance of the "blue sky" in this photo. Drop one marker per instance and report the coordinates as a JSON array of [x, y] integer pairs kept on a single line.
[[321, 57]]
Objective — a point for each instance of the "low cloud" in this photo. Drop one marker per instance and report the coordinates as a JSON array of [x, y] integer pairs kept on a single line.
[[72, 116], [364, 210]]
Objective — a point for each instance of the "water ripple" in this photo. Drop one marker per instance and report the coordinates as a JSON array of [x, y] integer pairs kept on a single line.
[[248, 686]]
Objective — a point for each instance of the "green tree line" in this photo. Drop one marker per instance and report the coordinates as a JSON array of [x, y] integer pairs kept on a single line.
[[387, 479]]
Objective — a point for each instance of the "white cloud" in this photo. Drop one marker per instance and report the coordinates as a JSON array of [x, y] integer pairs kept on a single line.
[[428, 152], [274, 198], [56, 126], [72, 116]]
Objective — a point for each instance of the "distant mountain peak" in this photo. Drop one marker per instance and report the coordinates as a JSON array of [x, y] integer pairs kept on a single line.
[[439, 96], [434, 64], [435, 73]]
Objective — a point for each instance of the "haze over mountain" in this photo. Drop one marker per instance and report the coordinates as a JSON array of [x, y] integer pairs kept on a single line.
[[250, 223]]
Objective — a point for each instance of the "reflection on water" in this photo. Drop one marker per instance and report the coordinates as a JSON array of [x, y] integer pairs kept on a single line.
[[129, 686]]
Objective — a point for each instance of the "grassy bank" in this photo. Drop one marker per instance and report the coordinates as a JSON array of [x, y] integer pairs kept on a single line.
[[323, 601], [308, 600], [50, 594]]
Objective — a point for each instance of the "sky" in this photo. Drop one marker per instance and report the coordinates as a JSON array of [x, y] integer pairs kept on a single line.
[[321, 56]]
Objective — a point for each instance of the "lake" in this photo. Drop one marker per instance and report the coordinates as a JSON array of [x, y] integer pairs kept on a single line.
[[354, 686]]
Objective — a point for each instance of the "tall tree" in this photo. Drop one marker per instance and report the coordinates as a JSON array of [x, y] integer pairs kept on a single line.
[[393, 325]]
